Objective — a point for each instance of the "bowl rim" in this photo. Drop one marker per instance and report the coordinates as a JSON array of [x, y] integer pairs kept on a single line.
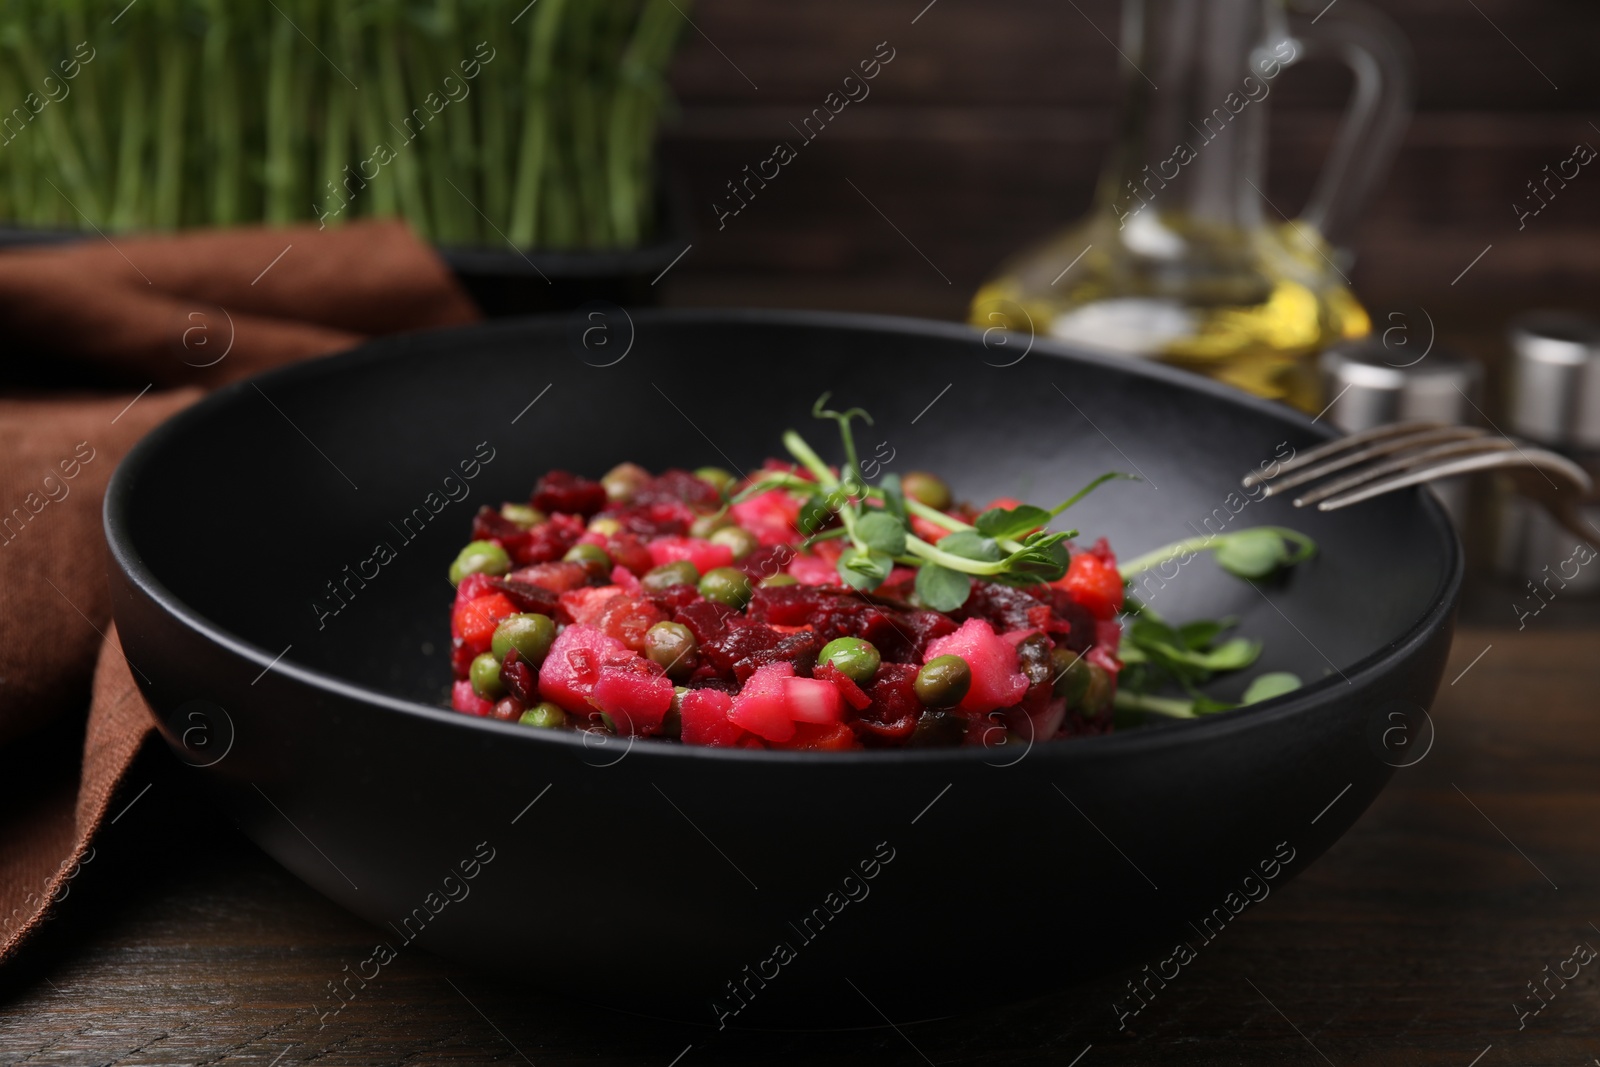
[[1162, 735]]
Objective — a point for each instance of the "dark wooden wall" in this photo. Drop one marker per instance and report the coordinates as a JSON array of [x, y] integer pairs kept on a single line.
[[990, 125]]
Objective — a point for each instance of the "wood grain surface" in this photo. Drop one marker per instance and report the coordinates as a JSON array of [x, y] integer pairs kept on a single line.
[[989, 128], [1410, 942]]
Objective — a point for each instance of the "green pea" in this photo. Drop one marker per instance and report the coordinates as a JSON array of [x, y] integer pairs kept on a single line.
[[927, 489], [485, 674], [605, 526], [813, 516], [943, 681], [623, 481], [544, 715], [726, 586], [531, 635], [1098, 695], [1033, 659], [717, 477], [479, 557], [937, 728], [595, 560], [779, 580], [522, 514], [742, 541], [679, 572], [706, 525], [672, 645], [672, 722], [857, 659], [1071, 675]]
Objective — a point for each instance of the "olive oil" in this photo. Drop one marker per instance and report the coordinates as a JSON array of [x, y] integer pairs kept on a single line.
[[1182, 257], [1252, 310]]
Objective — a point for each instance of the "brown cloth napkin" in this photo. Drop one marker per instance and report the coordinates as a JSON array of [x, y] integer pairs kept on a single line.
[[161, 319]]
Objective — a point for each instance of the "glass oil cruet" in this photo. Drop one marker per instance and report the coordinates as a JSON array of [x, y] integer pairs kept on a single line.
[[1183, 258]]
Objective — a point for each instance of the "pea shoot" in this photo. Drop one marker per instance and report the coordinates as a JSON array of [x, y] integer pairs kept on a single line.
[[1009, 545]]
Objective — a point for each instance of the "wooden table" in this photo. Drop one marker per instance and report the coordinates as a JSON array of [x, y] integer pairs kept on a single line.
[[1410, 942]]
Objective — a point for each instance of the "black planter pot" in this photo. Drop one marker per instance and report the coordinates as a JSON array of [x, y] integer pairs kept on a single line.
[[507, 281]]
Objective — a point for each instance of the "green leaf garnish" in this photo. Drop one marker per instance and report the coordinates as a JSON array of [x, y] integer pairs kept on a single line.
[[1202, 633], [1252, 553], [970, 544], [882, 532], [1008, 524], [1011, 546], [1267, 686], [941, 588], [864, 569], [894, 498]]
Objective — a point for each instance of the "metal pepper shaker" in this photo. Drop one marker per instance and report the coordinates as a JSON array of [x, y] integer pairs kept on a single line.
[[1371, 384], [1555, 402]]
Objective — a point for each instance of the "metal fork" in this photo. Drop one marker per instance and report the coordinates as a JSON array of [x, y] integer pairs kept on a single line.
[[1387, 458]]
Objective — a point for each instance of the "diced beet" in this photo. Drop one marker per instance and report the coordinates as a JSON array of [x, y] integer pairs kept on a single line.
[[627, 617], [786, 605], [472, 587], [761, 706], [559, 577], [1107, 636], [705, 555], [546, 542], [1003, 607], [630, 552], [585, 605], [635, 698], [569, 672], [924, 627], [462, 698], [814, 701], [519, 677], [626, 580], [681, 486], [658, 518], [706, 677], [852, 693], [771, 516], [766, 561], [528, 598], [996, 681], [461, 658], [489, 525], [705, 718], [744, 646], [569, 493], [892, 715], [507, 709], [706, 619], [814, 570], [1080, 625], [676, 597]]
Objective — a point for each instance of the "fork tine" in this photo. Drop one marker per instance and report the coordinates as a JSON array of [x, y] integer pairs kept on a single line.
[[1332, 448], [1536, 458], [1390, 445], [1469, 447]]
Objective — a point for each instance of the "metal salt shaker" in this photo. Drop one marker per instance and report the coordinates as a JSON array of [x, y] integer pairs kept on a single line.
[[1371, 384], [1554, 401]]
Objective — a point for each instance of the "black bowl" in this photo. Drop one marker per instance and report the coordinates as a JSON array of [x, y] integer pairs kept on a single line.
[[303, 667]]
